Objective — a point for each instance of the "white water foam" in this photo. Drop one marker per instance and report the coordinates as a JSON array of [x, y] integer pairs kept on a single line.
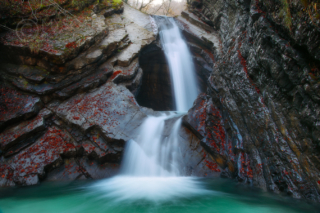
[[150, 168], [155, 189]]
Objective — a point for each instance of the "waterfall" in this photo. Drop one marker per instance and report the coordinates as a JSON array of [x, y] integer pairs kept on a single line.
[[153, 155], [180, 64], [151, 167]]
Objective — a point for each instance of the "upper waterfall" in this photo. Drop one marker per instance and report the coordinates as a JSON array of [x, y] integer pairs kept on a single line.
[[180, 63]]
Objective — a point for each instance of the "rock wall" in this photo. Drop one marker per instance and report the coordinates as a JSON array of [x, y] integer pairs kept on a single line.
[[259, 118], [66, 115]]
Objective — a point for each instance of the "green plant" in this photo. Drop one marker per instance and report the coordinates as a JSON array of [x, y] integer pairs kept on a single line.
[[117, 2], [286, 14]]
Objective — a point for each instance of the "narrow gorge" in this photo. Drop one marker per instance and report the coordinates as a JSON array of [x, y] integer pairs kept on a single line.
[[132, 106]]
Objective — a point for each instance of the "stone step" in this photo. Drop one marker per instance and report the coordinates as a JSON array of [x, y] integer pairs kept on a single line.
[[46, 87], [16, 106], [127, 55], [13, 135], [89, 82], [31, 73], [134, 84], [113, 40], [121, 74]]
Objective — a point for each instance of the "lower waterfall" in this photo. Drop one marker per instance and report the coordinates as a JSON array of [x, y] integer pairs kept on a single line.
[[153, 156], [150, 168]]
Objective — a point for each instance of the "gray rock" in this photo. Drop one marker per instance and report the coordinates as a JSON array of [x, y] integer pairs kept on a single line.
[[23, 130], [17, 106]]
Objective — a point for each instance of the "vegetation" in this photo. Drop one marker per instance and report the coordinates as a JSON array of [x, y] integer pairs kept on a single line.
[[116, 4], [286, 14]]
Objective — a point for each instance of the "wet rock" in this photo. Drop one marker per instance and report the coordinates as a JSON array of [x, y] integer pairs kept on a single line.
[[99, 171], [84, 136], [140, 37], [192, 158], [129, 54], [94, 151], [122, 74], [99, 7], [156, 88], [267, 106], [27, 180], [69, 171], [139, 18]]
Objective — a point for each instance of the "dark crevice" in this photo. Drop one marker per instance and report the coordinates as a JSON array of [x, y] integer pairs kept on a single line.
[[156, 90]]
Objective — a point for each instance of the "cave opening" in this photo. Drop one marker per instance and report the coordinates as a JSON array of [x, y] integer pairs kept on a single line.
[[156, 88]]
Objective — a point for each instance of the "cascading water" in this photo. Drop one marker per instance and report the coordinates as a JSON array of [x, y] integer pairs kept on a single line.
[[150, 168], [180, 64], [151, 171], [153, 156]]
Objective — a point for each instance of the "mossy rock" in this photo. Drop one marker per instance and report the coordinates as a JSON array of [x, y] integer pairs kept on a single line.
[[116, 4]]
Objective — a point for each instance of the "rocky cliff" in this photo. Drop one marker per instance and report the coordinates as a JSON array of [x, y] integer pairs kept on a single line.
[[259, 118], [68, 108]]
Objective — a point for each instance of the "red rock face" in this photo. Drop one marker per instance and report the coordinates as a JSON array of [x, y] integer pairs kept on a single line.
[[257, 127], [83, 137], [45, 152]]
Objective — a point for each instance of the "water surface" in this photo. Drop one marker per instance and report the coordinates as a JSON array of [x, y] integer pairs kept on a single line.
[[211, 195]]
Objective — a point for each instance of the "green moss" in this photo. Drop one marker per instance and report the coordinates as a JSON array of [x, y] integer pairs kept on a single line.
[[117, 2], [285, 14]]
